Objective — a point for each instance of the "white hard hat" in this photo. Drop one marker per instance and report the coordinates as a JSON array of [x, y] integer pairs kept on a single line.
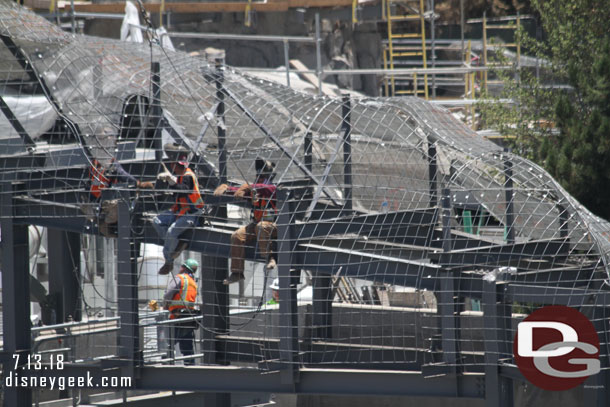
[[275, 285]]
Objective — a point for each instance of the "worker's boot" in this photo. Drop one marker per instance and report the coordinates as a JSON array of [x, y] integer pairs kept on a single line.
[[233, 278], [167, 267]]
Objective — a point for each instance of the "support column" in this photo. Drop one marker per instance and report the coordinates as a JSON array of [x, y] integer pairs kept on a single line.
[[497, 340], [129, 333], [289, 329], [155, 110], [432, 174], [220, 113], [64, 271], [564, 216], [448, 309], [214, 294], [307, 152], [508, 194], [347, 152], [322, 306], [15, 297]]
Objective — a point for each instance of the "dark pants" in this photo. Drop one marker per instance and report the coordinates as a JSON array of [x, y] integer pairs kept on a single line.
[[185, 338]]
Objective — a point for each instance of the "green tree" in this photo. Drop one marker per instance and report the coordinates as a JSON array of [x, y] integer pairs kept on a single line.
[[566, 129]]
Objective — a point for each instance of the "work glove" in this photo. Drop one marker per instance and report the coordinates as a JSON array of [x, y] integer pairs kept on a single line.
[[221, 189], [153, 305], [146, 185], [244, 191], [167, 177]]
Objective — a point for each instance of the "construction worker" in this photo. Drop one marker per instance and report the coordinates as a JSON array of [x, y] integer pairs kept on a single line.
[[275, 292], [183, 214], [262, 227], [102, 178], [180, 298]]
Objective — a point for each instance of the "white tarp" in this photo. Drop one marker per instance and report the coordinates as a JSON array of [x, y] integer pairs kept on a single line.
[[35, 114]]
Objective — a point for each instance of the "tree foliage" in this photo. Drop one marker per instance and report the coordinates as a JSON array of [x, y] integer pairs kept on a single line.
[[564, 128]]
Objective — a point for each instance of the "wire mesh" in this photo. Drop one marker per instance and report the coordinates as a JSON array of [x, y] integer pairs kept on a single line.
[[381, 202]]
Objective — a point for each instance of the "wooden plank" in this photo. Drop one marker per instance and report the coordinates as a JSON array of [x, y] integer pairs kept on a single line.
[[309, 77]]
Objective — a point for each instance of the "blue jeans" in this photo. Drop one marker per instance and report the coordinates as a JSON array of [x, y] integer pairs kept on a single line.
[[170, 227]]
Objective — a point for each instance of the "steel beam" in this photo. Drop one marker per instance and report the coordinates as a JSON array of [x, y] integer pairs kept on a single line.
[[496, 329], [220, 113], [307, 152], [432, 173], [15, 297], [322, 304], [347, 151], [510, 206], [312, 381], [64, 271], [156, 112], [447, 302], [127, 290], [289, 328]]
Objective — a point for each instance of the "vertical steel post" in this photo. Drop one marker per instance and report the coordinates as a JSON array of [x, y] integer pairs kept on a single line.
[[16, 333], [462, 27], [432, 174], [564, 217], [289, 329], [318, 54], [485, 51], [214, 294], [497, 340], [64, 271], [508, 194], [433, 45], [215, 310], [347, 152], [155, 109], [287, 62], [127, 280], [221, 129], [322, 306], [72, 16], [447, 305], [307, 152]]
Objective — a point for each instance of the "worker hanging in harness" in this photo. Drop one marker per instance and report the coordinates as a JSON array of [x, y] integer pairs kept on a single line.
[[262, 227], [183, 214], [100, 179], [180, 299]]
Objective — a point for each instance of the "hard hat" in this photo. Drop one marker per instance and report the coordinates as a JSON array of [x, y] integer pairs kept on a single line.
[[191, 265], [275, 285]]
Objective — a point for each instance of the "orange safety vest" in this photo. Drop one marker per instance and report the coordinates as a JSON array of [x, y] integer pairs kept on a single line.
[[98, 180], [194, 200], [262, 211], [186, 297]]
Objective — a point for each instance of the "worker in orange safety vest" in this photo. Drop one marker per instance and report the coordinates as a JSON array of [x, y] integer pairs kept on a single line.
[[106, 212], [180, 299], [183, 215]]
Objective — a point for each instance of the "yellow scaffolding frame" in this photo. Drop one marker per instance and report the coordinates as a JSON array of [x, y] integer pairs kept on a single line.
[[392, 52]]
